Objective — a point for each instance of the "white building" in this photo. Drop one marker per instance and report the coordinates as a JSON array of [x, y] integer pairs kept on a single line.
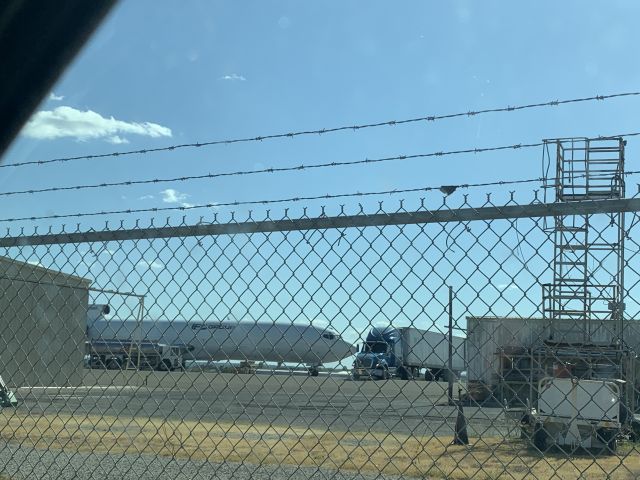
[[42, 325]]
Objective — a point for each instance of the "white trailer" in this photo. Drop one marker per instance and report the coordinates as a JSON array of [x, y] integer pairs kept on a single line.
[[430, 350]]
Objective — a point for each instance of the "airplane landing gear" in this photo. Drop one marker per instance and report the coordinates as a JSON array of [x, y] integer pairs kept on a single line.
[[313, 371]]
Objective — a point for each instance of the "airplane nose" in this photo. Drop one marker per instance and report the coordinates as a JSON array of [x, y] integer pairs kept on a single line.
[[347, 349], [339, 350]]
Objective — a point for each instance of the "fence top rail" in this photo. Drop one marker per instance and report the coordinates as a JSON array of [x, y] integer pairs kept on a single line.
[[470, 214]]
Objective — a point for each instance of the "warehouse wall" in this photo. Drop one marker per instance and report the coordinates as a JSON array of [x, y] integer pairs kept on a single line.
[[42, 325]]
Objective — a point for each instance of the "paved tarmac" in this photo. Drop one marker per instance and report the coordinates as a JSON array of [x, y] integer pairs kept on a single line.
[[326, 402], [333, 403]]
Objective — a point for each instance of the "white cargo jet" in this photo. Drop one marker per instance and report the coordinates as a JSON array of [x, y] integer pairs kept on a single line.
[[228, 340]]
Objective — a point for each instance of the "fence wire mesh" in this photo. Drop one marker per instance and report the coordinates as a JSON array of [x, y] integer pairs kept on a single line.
[[405, 342]]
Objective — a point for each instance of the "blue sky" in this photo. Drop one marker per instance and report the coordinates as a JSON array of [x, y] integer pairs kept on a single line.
[[214, 70]]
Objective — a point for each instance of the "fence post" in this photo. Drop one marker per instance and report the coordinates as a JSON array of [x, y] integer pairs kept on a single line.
[[450, 359]]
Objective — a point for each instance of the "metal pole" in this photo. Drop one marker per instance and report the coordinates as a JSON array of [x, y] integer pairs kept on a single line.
[[139, 327], [352, 221], [138, 320], [450, 360]]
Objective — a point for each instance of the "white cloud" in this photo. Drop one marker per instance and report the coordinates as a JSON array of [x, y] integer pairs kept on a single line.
[[507, 286], [35, 262], [56, 98], [147, 264], [86, 125], [233, 77], [117, 140], [146, 197], [173, 196]]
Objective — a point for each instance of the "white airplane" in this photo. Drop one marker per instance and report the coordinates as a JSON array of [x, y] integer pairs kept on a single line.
[[228, 340]]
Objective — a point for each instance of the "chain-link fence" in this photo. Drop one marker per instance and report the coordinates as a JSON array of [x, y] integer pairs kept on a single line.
[[412, 342]]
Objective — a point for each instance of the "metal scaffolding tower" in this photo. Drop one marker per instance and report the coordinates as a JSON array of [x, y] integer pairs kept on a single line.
[[587, 262]]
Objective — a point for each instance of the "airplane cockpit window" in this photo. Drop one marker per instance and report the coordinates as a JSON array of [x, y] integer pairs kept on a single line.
[[329, 336]]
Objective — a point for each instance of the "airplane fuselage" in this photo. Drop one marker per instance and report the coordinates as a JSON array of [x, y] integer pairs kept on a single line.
[[232, 340]]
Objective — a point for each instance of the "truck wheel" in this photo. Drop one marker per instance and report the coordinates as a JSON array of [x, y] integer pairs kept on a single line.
[[404, 374], [356, 377], [428, 375], [113, 364], [100, 363], [635, 430], [165, 366], [540, 437], [610, 440]]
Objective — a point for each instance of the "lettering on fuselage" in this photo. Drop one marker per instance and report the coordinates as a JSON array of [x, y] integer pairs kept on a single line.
[[211, 326]]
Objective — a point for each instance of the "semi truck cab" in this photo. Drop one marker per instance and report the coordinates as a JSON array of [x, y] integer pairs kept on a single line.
[[377, 357]]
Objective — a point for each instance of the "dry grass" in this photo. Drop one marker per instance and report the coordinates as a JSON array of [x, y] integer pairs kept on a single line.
[[259, 444]]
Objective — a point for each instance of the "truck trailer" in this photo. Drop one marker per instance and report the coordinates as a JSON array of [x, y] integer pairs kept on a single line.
[[405, 351], [123, 354]]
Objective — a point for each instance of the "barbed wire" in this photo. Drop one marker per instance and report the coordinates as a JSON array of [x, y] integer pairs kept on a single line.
[[184, 178], [127, 183], [322, 131], [445, 189]]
